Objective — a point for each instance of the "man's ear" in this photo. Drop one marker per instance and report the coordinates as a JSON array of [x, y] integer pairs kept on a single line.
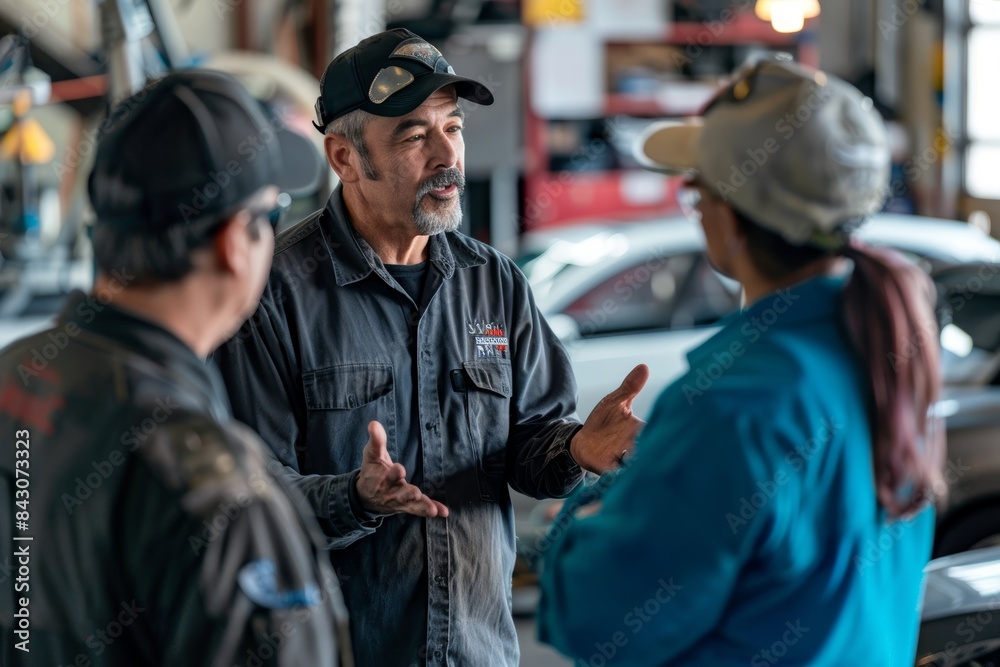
[[232, 246], [339, 152]]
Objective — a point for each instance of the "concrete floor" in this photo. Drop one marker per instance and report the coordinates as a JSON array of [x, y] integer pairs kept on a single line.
[[534, 654]]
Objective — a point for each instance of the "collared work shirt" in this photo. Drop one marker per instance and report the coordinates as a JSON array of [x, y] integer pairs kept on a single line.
[[745, 530], [474, 371]]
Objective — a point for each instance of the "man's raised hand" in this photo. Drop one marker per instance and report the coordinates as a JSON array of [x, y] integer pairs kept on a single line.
[[382, 485], [608, 435]]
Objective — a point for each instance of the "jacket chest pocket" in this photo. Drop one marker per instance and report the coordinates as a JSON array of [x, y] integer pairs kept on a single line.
[[487, 389], [340, 401]]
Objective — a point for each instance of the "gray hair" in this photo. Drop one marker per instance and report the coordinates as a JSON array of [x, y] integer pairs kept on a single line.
[[352, 127]]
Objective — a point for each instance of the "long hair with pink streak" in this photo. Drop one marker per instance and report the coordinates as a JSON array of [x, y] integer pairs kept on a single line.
[[889, 311]]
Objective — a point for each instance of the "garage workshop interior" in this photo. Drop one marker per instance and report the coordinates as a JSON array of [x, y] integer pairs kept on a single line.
[[475, 333]]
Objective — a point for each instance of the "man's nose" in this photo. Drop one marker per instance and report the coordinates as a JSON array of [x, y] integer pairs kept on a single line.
[[447, 151]]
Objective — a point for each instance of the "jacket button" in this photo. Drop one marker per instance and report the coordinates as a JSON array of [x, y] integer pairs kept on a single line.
[[437, 655], [429, 426]]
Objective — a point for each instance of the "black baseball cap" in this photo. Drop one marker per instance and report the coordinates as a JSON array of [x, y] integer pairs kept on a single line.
[[389, 74], [190, 146]]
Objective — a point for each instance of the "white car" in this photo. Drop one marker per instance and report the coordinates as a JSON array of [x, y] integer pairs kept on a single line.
[[622, 294]]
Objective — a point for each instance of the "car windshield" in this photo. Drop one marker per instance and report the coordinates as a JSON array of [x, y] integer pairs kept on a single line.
[[654, 276]]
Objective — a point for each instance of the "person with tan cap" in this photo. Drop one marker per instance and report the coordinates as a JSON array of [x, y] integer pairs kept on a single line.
[[783, 512]]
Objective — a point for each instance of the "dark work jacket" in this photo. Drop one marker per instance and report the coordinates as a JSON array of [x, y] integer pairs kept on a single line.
[[154, 532], [475, 393]]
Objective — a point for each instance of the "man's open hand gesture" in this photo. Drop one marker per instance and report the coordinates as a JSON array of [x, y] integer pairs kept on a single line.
[[608, 435], [382, 484]]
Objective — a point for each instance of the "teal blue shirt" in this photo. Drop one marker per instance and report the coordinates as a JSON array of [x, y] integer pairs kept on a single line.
[[745, 529]]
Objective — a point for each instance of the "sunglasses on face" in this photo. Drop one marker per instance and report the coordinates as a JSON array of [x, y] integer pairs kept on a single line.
[[275, 215], [691, 193]]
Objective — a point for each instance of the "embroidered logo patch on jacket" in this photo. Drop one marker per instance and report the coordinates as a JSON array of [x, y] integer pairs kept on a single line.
[[489, 340]]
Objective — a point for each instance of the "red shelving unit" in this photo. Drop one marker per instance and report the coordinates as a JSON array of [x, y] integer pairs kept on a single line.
[[554, 198], [744, 28]]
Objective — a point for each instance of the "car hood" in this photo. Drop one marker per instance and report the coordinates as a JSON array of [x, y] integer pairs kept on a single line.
[[964, 407], [963, 583]]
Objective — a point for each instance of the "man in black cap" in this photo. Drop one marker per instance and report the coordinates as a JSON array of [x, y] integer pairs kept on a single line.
[[141, 524], [378, 315]]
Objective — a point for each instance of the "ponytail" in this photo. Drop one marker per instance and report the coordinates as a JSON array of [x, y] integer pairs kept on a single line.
[[889, 311]]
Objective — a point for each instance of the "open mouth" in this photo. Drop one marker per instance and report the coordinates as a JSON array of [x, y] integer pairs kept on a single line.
[[444, 193]]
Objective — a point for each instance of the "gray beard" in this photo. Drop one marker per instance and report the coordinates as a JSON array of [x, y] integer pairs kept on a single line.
[[429, 223]]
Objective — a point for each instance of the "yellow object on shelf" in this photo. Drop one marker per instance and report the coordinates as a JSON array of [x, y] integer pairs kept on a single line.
[[542, 13], [26, 140]]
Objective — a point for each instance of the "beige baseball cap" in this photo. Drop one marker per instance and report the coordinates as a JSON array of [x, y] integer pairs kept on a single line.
[[798, 151]]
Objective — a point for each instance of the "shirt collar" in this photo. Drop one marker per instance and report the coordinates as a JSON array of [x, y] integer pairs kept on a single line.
[[812, 300], [146, 339], [356, 258]]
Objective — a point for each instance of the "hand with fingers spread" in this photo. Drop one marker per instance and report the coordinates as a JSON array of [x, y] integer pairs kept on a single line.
[[608, 435], [382, 485]]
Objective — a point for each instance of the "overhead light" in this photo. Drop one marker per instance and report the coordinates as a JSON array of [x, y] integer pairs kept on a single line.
[[786, 15], [810, 8]]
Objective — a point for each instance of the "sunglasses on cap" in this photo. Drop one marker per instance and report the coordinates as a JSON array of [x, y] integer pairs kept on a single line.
[[390, 80], [748, 80]]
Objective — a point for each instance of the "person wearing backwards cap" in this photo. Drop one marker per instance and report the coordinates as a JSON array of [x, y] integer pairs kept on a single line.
[[149, 528], [744, 528], [379, 315]]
